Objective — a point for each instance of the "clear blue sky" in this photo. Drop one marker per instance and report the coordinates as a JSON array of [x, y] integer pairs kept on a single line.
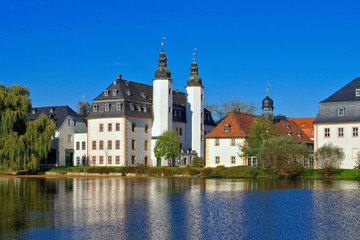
[[64, 49]]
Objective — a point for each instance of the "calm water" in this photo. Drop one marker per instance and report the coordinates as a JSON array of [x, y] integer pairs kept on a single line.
[[177, 208]]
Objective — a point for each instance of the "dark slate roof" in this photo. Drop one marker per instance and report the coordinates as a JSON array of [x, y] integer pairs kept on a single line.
[[58, 113], [347, 93], [139, 95]]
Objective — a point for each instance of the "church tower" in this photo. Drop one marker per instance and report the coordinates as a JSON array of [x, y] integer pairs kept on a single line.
[[195, 110], [162, 102], [267, 103]]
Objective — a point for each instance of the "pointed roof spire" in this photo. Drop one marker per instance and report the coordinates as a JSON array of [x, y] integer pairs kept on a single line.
[[194, 79], [162, 72]]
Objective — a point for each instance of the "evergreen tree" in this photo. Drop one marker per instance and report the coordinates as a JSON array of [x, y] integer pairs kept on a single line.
[[22, 144]]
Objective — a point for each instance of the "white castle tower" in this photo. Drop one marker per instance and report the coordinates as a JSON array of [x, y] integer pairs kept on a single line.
[[195, 110], [162, 102]]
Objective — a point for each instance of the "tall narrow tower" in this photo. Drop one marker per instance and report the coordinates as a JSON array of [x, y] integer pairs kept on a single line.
[[267, 103], [162, 102], [195, 109]]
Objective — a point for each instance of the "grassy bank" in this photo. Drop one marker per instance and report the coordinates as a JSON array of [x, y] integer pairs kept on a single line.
[[218, 172]]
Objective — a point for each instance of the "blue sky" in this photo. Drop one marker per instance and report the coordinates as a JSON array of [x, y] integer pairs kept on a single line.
[[65, 49]]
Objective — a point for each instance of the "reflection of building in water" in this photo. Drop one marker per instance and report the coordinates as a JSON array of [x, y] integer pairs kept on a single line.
[[226, 185]]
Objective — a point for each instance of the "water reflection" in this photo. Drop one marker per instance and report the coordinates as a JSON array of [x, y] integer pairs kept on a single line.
[[177, 208]]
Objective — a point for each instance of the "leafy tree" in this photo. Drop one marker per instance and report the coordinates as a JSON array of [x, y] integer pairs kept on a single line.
[[328, 158], [261, 129], [220, 111], [83, 109], [198, 162], [282, 155], [167, 146], [22, 144]]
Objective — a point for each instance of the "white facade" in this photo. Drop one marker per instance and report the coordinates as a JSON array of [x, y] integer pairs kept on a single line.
[[344, 135], [195, 118], [224, 152], [80, 149]]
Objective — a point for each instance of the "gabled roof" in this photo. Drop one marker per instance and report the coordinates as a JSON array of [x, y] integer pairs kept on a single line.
[[306, 124], [346, 94], [290, 128], [55, 113], [235, 124]]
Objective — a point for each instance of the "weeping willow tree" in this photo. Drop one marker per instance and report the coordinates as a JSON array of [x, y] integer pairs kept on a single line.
[[22, 144]]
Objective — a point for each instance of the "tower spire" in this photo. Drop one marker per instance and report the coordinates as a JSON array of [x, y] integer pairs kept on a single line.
[[194, 79], [162, 72]]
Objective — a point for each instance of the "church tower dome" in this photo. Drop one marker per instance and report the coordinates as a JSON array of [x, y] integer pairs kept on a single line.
[[194, 79], [162, 72], [267, 103]]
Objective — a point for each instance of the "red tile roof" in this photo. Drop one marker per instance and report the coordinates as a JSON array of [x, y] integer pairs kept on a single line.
[[235, 124], [290, 128], [306, 124]]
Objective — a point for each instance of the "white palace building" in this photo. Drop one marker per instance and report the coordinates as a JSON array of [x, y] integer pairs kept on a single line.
[[127, 118]]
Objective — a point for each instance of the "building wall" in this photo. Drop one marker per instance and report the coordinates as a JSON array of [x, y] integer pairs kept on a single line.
[[349, 143], [66, 136], [80, 154], [224, 150], [94, 134]]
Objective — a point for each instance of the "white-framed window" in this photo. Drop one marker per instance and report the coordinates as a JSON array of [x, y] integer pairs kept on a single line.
[[77, 145], [217, 160], [114, 92], [341, 111], [233, 161], [357, 92], [106, 93], [109, 159], [340, 132], [83, 145], [106, 107], [117, 127], [327, 132], [232, 142], [118, 106], [95, 108], [101, 160], [117, 159], [217, 142], [252, 161], [101, 127], [355, 131]]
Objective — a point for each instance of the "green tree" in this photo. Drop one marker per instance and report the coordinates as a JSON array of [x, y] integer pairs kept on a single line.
[[197, 162], [262, 128], [282, 155], [22, 144], [83, 108], [220, 111], [167, 146], [328, 158]]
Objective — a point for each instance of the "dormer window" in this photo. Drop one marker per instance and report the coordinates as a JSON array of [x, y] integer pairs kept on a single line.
[[118, 106], [131, 107], [106, 93], [114, 92], [144, 109], [357, 92], [51, 110], [33, 111], [95, 108], [138, 107], [143, 95], [106, 107], [300, 135], [341, 111], [127, 91], [288, 126], [227, 127]]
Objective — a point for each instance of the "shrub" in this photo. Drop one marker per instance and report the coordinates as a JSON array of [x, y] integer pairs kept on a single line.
[[197, 162], [329, 157]]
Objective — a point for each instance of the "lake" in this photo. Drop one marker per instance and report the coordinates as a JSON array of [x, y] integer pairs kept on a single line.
[[178, 208]]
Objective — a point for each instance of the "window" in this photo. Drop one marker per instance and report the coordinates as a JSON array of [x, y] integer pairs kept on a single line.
[[169, 91], [117, 127], [179, 114], [355, 132], [106, 107], [83, 145], [180, 131], [133, 127], [69, 121], [232, 142], [131, 107], [109, 127], [232, 159], [93, 160], [340, 132], [118, 106], [109, 159], [341, 111], [101, 127], [106, 93], [114, 92], [169, 109], [357, 92], [117, 159], [101, 145], [77, 161], [101, 160], [327, 132], [146, 128], [69, 138], [133, 144], [309, 162], [217, 160], [93, 145], [252, 161], [133, 159], [77, 145], [146, 145], [95, 108], [75, 122], [109, 145], [146, 160], [217, 143], [83, 160], [117, 144]]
